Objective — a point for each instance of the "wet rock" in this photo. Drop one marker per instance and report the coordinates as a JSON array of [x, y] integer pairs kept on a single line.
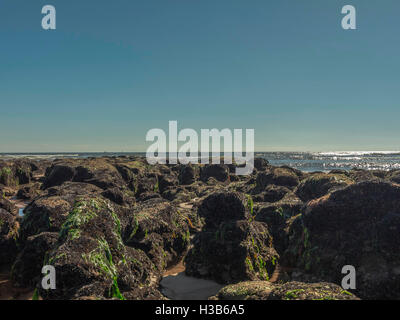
[[236, 251], [320, 184], [26, 270], [359, 226], [147, 183], [160, 230], [7, 191], [166, 181], [45, 214], [394, 176], [178, 195], [246, 290], [91, 259], [29, 192], [23, 172], [359, 175], [287, 207], [260, 164], [8, 237], [58, 174], [188, 174], [280, 176], [264, 290], [7, 176], [223, 206], [98, 172], [123, 197], [8, 206], [148, 195], [309, 291], [220, 172], [271, 193], [276, 223]]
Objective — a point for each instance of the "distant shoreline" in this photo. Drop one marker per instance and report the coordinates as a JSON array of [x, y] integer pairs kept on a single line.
[[304, 161]]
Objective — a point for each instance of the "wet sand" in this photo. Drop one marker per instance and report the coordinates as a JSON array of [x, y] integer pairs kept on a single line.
[[8, 291]]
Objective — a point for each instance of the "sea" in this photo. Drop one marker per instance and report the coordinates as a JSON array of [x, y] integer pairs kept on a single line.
[[305, 161]]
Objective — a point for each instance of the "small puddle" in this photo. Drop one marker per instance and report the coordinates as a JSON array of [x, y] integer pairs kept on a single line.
[[21, 212], [20, 204], [181, 287]]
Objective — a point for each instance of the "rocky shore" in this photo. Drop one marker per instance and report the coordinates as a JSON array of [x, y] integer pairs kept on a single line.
[[113, 226]]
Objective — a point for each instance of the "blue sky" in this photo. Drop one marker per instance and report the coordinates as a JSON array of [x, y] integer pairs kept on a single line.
[[115, 69]]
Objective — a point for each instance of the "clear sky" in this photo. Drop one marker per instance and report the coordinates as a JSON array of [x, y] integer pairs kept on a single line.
[[115, 69]]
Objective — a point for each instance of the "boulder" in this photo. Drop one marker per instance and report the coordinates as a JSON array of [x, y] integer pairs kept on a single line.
[[320, 184], [235, 251], [8, 237], [188, 174], [271, 193], [92, 260], [97, 171], [359, 226], [45, 214], [360, 175], [27, 268], [220, 172], [120, 196], [222, 207], [166, 181], [160, 230], [264, 290], [280, 176], [394, 176], [260, 164], [8, 206], [28, 192]]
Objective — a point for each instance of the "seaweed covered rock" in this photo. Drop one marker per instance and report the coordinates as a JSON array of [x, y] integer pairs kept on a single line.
[[160, 230], [280, 176], [8, 237], [120, 196], [188, 174], [29, 192], [276, 216], [15, 173], [245, 290], [320, 184], [45, 214], [220, 172], [8, 206], [361, 175], [178, 194], [271, 193], [26, 270], [235, 251], [309, 291], [147, 183], [260, 164], [359, 226], [166, 181], [48, 212], [223, 206], [394, 176], [58, 174], [264, 290], [99, 172], [91, 259]]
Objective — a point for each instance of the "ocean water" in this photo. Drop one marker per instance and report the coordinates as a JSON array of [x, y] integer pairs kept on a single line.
[[305, 161]]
